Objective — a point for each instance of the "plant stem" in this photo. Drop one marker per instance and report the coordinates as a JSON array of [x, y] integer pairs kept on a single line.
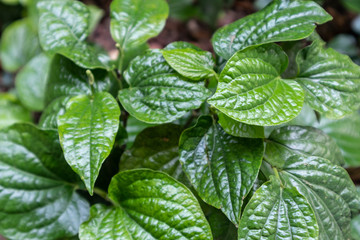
[[278, 176], [91, 80], [102, 194], [216, 76]]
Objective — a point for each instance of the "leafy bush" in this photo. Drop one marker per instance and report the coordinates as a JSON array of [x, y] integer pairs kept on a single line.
[[225, 148]]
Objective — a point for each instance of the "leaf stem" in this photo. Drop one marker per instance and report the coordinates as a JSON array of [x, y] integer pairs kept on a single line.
[[216, 76], [102, 194], [278, 176], [120, 58]]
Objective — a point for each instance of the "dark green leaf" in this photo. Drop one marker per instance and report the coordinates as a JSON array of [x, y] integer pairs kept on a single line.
[[282, 20], [355, 227], [133, 128], [221, 167], [275, 212], [250, 89], [37, 197], [157, 94], [352, 5], [331, 80], [150, 205], [133, 22], [11, 111], [48, 119], [87, 133]]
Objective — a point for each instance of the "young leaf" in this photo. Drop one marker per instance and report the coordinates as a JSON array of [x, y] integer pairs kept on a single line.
[[56, 108], [11, 111], [331, 80], [63, 28], [222, 168], [87, 133], [133, 22], [282, 20], [37, 187], [275, 212], [250, 89], [174, 212], [195, 65], [31, 82], [157, 94]]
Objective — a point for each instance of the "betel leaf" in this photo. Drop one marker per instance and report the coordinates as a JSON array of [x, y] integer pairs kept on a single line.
[[63, 28], [239, 129], [326, 186], [133, 22], [282, 20], [87, 133], [222, 168], [181, 45], [305, 140], [277, 212], [31, 82], [49, 116], [190, 63], [331, 80], [251, 91], [19, 43], [149, 205], [37, 187], [11, 111], [157, 94], [67, 79]]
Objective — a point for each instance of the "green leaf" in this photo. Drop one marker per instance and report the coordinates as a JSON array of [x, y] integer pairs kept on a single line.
[[67, 79], [87, 133], [251, 91], [275, 212], [304, 140], [181, 45], [96, 14], [150, 205], [355, 227], [19, 43], [222, 168], [282, 20], [190, 63], [133, 22], [63, 28], [239, 129], [11, 111], [157, 94], [133, 128], [31, 82], [37, 187], [352, 5], [331, 80], [49, 116]]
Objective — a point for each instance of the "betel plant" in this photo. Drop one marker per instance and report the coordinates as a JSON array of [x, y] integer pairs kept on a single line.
[[281, 182]]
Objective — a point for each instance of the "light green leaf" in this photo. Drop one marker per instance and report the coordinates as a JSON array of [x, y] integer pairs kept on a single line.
[[56, 108], [157, 94], [31, 82], [37, 187], [87, 133], [133, 22], [63, 28], [239, 129], [150, 205], [331, 80], [11, 111], [95, 16], [222, 168], [19, 43], [282, 20], [275, 212], [251, 91], [190, 63], [181, 45]]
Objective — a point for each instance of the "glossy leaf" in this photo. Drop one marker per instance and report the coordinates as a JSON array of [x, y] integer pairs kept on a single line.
[[275, 212], [282, 20], [157, 94], [11, 111], [239, 129], [181, 45], [331, 80], [251, 91], [222, 168], [87, 133], [67, 79], [174, 212], [19, 44], [195, 65], [133, 22], [63, 28], [49, 116], [37, 187], [31, 82]]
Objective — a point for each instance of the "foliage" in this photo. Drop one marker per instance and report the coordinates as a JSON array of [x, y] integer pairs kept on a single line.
[[143, 147]]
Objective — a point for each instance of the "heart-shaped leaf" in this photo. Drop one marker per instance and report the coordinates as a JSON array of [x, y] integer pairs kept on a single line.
[[150, 205], [282, 20], [37, 187], [87, 133], [250, 88], [222, 168]]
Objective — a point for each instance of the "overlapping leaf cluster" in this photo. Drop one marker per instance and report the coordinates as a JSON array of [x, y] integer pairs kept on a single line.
[[287, 183]]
